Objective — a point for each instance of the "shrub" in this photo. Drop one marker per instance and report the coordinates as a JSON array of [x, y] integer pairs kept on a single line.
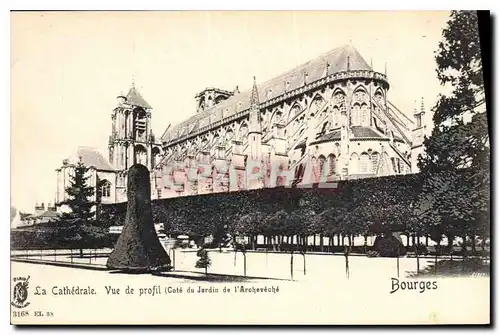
[[204, 260], [388, 246]]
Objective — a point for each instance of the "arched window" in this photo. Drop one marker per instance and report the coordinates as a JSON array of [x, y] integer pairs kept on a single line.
[[355, 110], [375, 160], [105, 189], [364, 115], [294, 111], [202, 103], [354, 164], [418, 117], [316, 106], [379, 97], [155, 157], [322, 165], [338, 98], [336, 116], [140, 155], [364, 163], [219, 99], [332, 165]]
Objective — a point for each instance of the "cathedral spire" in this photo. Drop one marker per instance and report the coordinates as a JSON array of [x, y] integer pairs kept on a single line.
[[254, 116], [254, 98], [422, 109]]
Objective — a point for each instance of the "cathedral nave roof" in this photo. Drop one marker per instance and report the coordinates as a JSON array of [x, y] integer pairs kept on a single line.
[[335, 60]]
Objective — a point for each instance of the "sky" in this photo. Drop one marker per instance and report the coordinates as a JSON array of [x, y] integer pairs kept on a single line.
[[67, 68]]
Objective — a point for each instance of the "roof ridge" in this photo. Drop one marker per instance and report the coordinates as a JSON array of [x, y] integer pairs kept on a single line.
[[315, 69], [283, 74]]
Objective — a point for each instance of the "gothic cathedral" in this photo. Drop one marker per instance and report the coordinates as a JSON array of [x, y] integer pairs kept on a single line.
[[326, 120]]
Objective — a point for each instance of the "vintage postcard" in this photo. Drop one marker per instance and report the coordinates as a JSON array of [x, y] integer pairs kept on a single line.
[[256, 168]]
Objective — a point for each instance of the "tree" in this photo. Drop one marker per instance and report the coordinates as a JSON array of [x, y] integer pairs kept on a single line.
[[204, 260], [240, 222], [221, 236], [275, 224], [79, 226], [457, 159]]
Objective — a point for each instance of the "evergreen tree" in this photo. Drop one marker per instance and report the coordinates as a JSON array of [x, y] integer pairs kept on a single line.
[[456, 162], [79, 225], [79, 193]]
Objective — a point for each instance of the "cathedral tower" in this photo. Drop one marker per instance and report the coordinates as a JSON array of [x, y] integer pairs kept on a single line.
[[132, 140], [210, 97]]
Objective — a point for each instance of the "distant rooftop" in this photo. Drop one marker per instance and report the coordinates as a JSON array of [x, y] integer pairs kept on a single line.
[[91, 157]]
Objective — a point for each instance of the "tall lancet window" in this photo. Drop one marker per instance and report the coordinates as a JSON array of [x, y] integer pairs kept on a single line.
[[105, 189], [332, 165], [355, 111], [365, 117], [155, 157], [419, 120], [364, 163], [379, 98], [336, 117], [322, 166], [141, 155]]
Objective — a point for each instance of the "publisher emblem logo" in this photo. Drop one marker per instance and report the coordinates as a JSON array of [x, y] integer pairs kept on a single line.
[[20, 292]]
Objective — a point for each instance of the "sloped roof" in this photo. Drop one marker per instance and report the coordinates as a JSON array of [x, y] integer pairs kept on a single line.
[[358, 132], [91, 157], [47, 214], [136, 99], [364, 132], [332, 136], [337, 60]]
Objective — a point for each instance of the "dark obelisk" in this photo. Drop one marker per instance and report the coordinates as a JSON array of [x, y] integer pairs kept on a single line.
[[138, 247]]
